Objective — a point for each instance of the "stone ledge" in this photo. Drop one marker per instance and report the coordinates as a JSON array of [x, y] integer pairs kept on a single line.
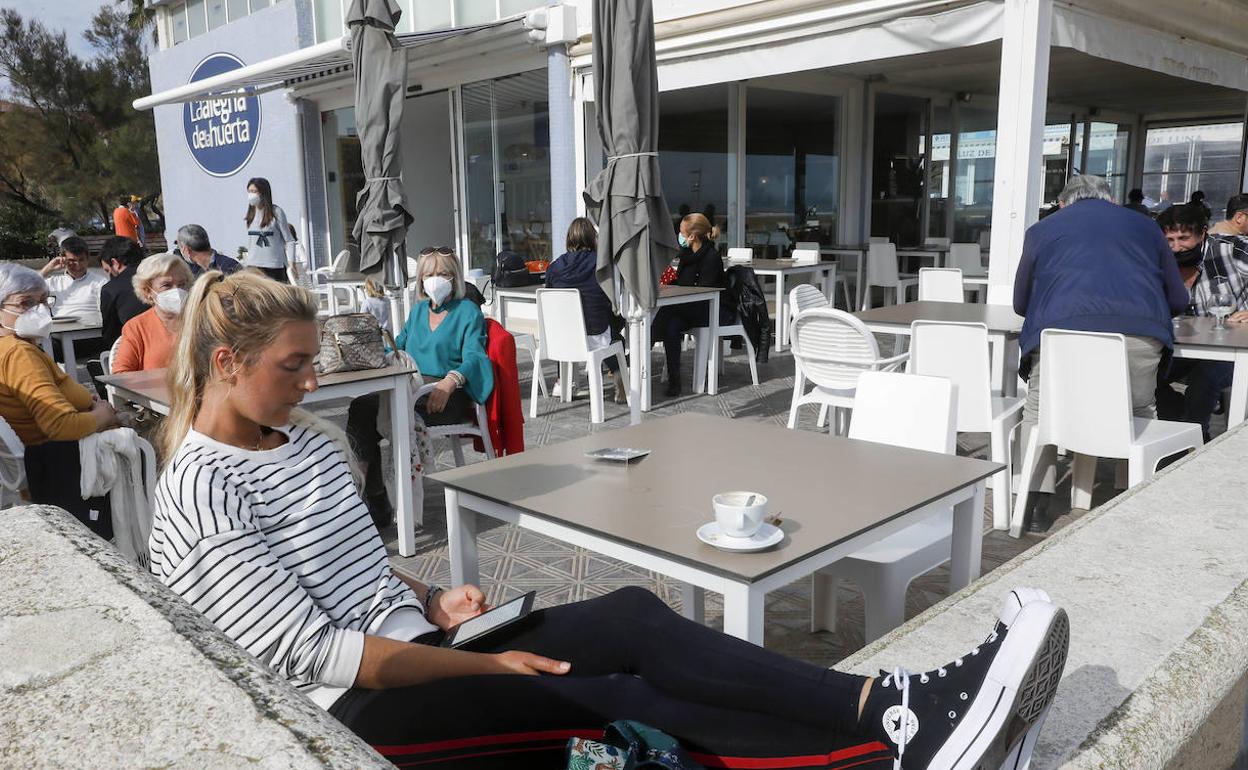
[[104, 667], [1156, 586]]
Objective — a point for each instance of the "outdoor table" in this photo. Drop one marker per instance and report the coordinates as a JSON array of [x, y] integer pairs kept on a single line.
[[835, 496], [1003, 325], [1195, 337], [668, 295], [149, 389], [69, 331], [780, 270]]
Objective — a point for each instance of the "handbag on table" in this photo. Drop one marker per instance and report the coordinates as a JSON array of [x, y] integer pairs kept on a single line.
[[351, 342]]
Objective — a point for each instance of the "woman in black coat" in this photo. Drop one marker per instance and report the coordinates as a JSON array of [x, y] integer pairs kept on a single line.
[[700, 265]]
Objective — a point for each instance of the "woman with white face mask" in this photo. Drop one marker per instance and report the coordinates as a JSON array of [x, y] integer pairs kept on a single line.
[[268, 232], [445, 334], [148, 339], [44, 406]]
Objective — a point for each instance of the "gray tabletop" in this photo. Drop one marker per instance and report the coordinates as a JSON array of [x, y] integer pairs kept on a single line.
[[826, 489], [85, 324], [1198, 330], [998, 318], [153, 385], [664, 291], [785, 264]]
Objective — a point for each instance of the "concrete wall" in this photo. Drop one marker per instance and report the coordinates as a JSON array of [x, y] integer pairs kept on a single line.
[[101, 666], [219, 203]]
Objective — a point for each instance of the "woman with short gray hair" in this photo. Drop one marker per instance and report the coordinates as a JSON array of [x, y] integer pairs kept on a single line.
[[47, 410], [147, 340]]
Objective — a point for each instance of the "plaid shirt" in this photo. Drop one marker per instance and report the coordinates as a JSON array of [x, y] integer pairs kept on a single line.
[[1226, 256]]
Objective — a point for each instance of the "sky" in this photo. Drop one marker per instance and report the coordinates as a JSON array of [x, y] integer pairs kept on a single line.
[[73, 16]]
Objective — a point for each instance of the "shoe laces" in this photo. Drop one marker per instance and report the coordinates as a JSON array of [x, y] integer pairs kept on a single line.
[[900, 679]]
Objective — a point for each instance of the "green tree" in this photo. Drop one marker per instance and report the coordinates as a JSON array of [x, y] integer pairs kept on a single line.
[[70, 140]]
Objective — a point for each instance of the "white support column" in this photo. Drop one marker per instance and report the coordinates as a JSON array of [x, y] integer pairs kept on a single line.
[[1027, 29], [563, 176]]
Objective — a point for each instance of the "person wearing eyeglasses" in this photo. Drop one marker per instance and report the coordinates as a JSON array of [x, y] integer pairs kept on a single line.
[[47, 410], [445, 335]]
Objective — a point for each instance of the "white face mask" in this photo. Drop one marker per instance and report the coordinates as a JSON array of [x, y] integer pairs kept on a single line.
[[34, 324], [171, 300], [253, 199], [437, 289]]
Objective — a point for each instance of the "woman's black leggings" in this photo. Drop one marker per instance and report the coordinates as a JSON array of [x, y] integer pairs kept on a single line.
[[669, 327], [632, 658]]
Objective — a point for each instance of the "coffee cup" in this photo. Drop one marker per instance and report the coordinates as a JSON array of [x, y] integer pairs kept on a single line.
[[739, 514]]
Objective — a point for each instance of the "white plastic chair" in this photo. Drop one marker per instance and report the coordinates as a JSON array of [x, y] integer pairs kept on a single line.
[[459, 431], [806, 246], [805, 256], [878, 239], [967, 258], [941, 284], [12, 466], [905, 410], [338, 299], [831, 348], [882, 271], [740, 255], [936, 241], [1085, 407], [525, 341], [961, 353], [562, 338], [702, 349], [805, 296]]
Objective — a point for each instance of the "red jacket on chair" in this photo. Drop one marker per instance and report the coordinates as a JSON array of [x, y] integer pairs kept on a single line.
[[502, 408]]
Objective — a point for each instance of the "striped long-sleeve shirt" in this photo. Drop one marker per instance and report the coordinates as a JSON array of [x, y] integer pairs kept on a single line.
[[276, 548]]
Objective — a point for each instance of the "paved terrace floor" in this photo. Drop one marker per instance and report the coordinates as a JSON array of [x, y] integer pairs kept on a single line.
[[515, 561]]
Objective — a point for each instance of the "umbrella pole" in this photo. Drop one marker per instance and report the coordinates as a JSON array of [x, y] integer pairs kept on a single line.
[[635, 318]]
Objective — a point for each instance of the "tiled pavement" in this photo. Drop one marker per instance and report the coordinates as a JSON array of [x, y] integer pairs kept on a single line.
[[515, 561]]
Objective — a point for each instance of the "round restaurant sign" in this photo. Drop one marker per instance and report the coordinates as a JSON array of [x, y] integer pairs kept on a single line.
[[221, 131]]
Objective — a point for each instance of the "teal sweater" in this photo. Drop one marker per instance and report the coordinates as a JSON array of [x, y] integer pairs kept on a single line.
[[458, 343]]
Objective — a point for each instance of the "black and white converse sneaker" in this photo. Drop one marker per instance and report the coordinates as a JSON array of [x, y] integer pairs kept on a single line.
[[985, 709]]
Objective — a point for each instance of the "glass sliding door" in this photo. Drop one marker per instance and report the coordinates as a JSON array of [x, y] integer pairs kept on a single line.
[[1180, 160], [940, 172], [973, 174], [898, 168], [479, 178], [1107, 145], [693, 153]]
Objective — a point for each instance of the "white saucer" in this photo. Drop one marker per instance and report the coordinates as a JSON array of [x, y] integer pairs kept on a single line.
[[766, 536]]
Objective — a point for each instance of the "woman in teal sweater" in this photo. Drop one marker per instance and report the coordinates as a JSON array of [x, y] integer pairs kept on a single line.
[[445, 336]]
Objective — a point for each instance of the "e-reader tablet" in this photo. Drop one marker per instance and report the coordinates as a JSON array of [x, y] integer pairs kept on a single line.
[[488, 622]]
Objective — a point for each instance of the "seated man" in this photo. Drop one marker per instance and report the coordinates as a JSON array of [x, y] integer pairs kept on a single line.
[[76, 288], [1094, 266], [1201, 257], [118, 302], [198, 252], [1236, 222]]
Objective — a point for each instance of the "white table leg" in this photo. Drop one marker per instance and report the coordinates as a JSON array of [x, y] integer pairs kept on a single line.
[[500, 310], [1237, 410], [858, 296], [968, 540], [693, 602], [782, 321], [461, 541], [712, 370], [401, 442], [743, 612], [644, 363], [829, 287], [71, 362]]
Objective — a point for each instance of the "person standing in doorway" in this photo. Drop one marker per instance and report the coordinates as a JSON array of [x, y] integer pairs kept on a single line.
[[267, 231]]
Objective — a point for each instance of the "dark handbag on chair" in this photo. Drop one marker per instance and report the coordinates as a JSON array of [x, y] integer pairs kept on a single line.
[[351, 342]]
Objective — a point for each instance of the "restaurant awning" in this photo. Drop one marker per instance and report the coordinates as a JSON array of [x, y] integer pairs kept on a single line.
[[332, 59]]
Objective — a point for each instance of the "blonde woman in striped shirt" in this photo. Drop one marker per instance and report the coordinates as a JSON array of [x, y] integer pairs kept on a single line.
[[259, 525]]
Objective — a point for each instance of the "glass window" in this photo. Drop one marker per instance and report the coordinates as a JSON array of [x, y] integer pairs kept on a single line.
[[216, 13], [468, 12], [511, 7], [237, 9], [792, 171], [328, 19], [178, 15], [1108, 145], [196, 23], [428, 15], [940, 171], [693, 152], [1057, 158], [1180, 160], [507, 170], [898, 162], [976, 158], [344, 173], [258, 4]]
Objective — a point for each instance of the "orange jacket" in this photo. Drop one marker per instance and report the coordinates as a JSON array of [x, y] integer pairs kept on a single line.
[[126, 223]]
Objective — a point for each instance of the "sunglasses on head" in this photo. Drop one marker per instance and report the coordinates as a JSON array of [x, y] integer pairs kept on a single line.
[[445, 251]]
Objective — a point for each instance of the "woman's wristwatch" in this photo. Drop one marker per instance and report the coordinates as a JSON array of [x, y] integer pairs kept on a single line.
[[430, 594]]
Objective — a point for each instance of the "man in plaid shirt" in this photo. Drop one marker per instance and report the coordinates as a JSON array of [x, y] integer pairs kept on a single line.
[[1202, 258]]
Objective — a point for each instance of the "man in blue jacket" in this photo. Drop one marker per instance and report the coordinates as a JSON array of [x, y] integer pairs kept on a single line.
[[1096, 266]]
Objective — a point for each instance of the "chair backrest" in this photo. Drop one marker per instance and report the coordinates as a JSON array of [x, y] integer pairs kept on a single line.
[[832, 347], [106, 360], [740, 254], [937, 241], [965, 257], [882, 265], [805, 256], [1085, 392], [12, 466], [906, 410], [805, 296], [878, 239], [958, 352], [806, 246], [940, 284], [561, 326]]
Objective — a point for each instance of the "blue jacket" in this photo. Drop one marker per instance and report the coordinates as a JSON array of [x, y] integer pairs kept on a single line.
[[1096, 266], [575, 270]]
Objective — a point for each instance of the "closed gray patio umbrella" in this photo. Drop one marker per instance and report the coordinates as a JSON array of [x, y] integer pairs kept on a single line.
[[635, 237], [380, 87]]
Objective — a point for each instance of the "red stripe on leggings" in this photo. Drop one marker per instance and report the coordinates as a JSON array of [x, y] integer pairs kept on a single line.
[[812, 760], [486, 740], [556, 747]]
